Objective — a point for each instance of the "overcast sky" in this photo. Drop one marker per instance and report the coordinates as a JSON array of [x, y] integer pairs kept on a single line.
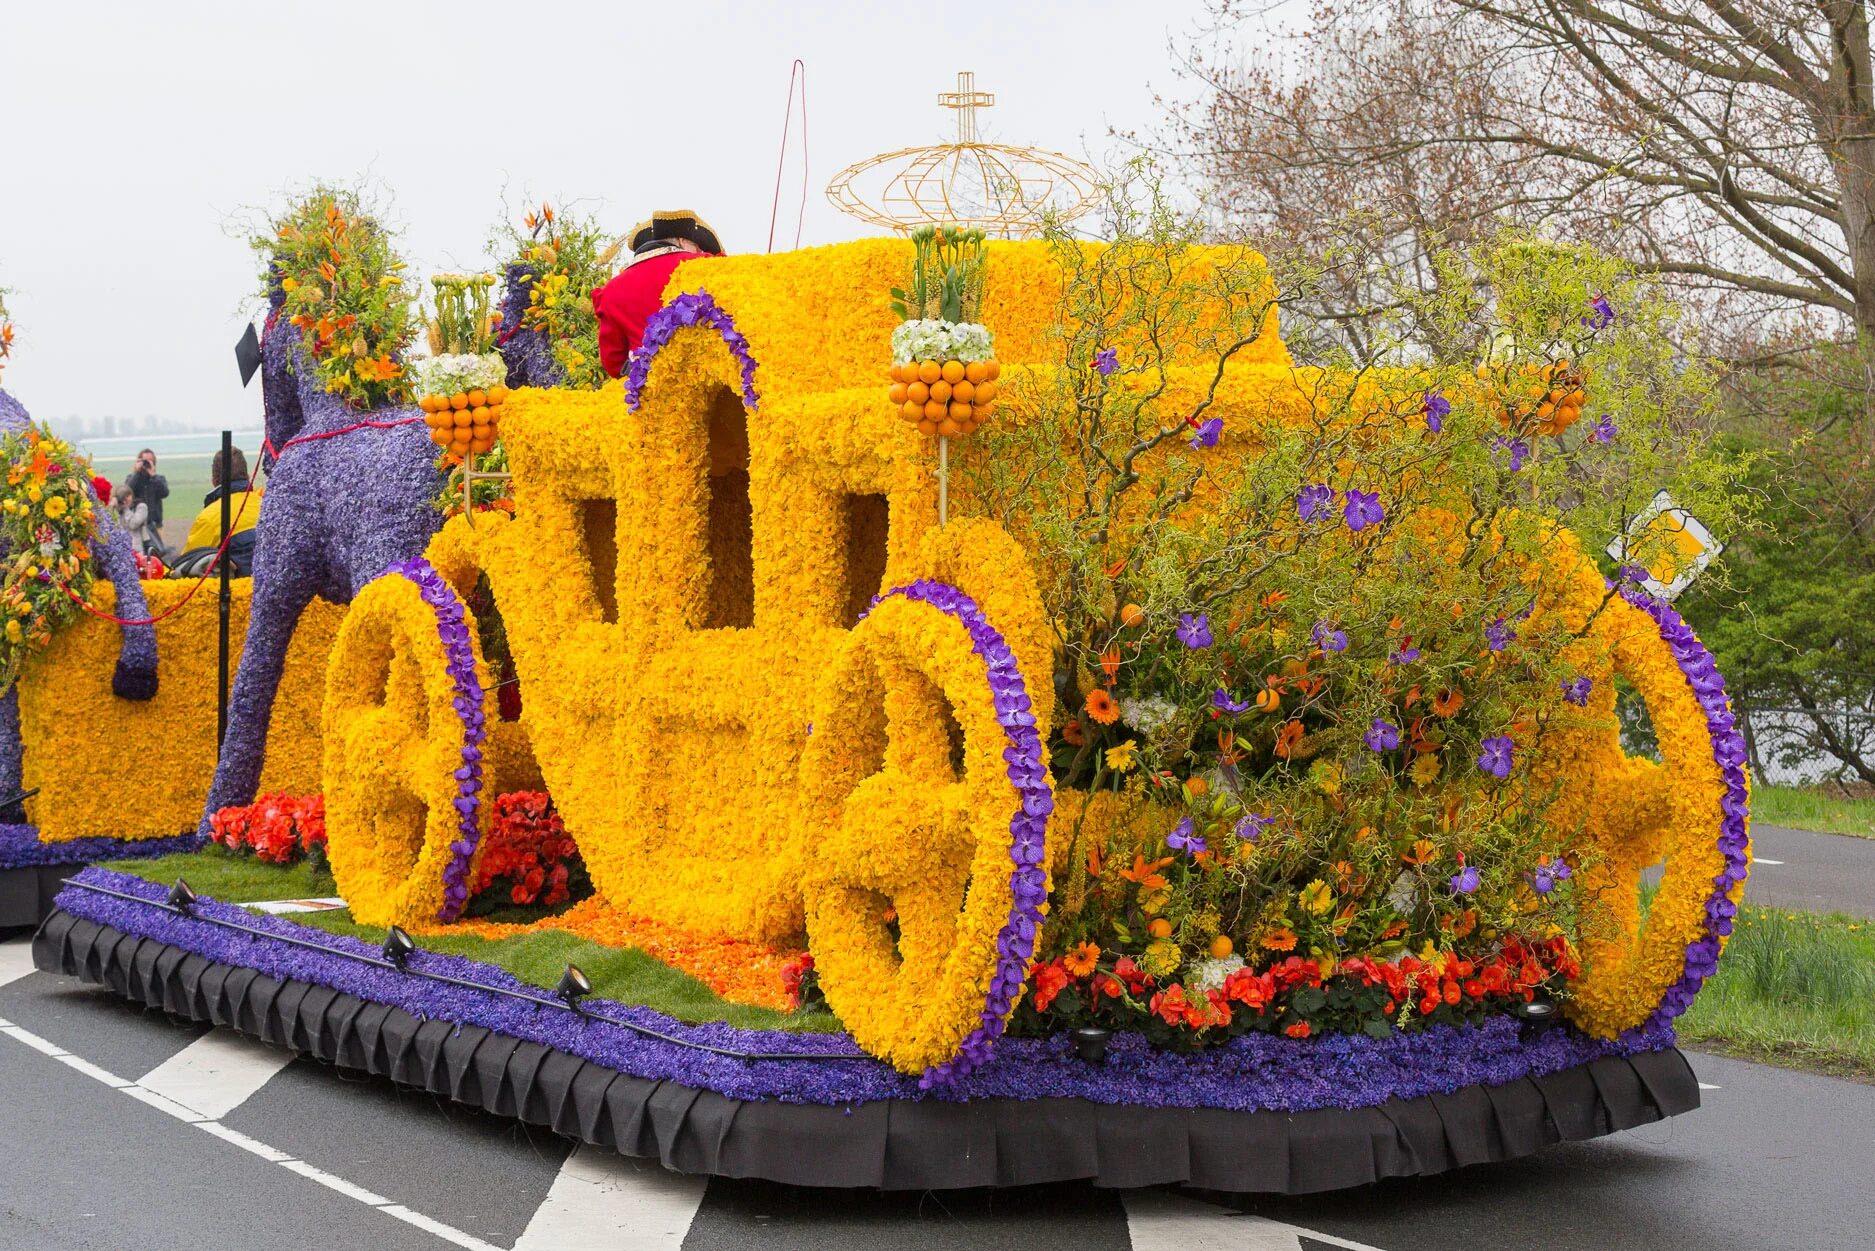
[[137, 141]]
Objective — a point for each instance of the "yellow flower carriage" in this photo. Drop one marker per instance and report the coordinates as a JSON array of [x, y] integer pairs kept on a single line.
[[740, 747]]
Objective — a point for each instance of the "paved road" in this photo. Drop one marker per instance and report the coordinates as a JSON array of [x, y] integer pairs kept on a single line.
[[125, 1129], [1804, 869]]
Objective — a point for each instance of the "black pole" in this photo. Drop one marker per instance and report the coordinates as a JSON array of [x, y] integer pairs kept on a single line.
[[227, 599]]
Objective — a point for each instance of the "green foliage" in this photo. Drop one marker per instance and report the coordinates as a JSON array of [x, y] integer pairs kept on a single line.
[[342, 280], [946, 276], [569, 257], [1392, 610], [1820, 808], [461, 322]]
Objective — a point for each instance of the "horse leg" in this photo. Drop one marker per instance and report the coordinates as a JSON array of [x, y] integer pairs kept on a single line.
[[273, 615], [135, 676]]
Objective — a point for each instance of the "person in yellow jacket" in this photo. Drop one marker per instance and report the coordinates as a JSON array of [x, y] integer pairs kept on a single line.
[[243, 510]]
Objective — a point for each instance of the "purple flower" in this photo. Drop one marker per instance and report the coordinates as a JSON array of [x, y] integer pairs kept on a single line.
[[1185, 838], [1543, 881], [1601, 314], [1437, 408], [1314, 502], [692, 308], [1328, 638], [1382, 736], [1106, 361], [1465, 881], [1499, 635], [1194, 630], [1363, 510], [1221, 700], [1208, 432], [1404, 656], [1604, 430], [1514, 450], [1251, 825], [1577, 692], [1495, 756]]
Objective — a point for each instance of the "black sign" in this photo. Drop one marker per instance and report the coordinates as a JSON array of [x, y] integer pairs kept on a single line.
[[247, 354]]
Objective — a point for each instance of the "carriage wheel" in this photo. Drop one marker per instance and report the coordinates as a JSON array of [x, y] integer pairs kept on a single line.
[[920, 836], [403, 731], [1637, 813]]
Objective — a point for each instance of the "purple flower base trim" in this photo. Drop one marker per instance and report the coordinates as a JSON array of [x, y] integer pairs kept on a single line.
[[1254, 1072], [452, 630], [1028, 829], [690, 309], [1728, 749], [20, 846]]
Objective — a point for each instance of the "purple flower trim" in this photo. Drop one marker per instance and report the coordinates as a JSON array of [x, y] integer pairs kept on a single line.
[[1728, 749], [20, 846], [697, 308], [1251, 1073], [1028, 829], [453, 630]]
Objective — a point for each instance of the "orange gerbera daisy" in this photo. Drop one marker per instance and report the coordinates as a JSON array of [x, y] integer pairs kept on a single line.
[[1280, 940], [1102, 707], [1287, 737], [1446, 703], [1082, 960], [1072, 734]]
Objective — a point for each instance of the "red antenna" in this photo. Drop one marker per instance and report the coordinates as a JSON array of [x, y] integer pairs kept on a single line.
[[798, 73]]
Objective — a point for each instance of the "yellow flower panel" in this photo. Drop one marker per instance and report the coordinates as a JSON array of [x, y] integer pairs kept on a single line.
[[113, 768]]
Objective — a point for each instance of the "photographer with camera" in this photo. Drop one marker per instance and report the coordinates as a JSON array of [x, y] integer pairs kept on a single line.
[[150, 489]]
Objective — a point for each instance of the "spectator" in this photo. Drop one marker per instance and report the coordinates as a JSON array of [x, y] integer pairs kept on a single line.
[[199, 548], [134, 517], [150, 489]]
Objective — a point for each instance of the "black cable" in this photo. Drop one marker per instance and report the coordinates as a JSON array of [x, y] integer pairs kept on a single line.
[[537, 1000]]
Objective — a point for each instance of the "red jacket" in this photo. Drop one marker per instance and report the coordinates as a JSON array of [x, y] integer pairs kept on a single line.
[[626, 303]]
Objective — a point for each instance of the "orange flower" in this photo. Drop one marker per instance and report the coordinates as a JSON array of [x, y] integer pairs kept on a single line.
[[1071, 732], [1423, 851], [1147, 874], [1447, 703], [1287, 737], [1081, 960], [1094, 860], [1116, 568], [1110, 664], [1102, 707], [1299, 1030], [1280, 940]]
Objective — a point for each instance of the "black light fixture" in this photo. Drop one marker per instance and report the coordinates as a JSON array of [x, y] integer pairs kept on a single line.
[[182, 896], [398, 946], [1539, 1013], [1090, 1043], [573, 986]]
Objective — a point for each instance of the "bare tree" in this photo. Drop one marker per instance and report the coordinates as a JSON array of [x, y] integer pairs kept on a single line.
[[1729, 144]]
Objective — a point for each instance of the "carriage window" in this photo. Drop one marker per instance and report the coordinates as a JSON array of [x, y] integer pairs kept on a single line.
[[598, 524], [729, 599], [864, 532]]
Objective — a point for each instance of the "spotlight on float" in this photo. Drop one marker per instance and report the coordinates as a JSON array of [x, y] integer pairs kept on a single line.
[[182, 896], [1540, 1013], [398, 946], [574, 985]]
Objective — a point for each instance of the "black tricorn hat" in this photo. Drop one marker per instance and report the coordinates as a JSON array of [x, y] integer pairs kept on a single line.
[[675, 224]]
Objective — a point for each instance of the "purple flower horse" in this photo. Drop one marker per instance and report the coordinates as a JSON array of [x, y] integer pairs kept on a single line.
[[337, 513], [135, 675]]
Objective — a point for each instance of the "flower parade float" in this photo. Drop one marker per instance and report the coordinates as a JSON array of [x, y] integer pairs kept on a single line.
[[1228, 790]]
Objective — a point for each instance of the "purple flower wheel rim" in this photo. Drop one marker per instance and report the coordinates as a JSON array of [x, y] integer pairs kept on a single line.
[[1028, 827], [697, 308], [452, 631]]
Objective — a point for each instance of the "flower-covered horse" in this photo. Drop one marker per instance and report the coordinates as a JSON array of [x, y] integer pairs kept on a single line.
[[135, 675], [338, 511]]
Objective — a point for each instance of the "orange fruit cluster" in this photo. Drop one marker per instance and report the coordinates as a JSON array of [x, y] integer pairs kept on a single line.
[[465, 422], [1551, 400], [945, 397]]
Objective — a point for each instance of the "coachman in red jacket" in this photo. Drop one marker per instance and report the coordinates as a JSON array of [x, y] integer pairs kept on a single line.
[[626, 303]]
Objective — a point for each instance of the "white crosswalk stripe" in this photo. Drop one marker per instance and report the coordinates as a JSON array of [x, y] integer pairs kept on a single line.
[[1159, 1220], [16, 959], [217, 1072], [601, 1199]]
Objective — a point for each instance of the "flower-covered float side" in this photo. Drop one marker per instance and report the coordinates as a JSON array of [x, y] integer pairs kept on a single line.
[[1234, 696]]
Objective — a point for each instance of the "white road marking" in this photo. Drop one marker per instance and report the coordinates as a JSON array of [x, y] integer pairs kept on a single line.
[[1758, 860], [16, 960], [245, 1069], [604, 1199], [217, 1072], [1709, 1086], [1159, 1220]]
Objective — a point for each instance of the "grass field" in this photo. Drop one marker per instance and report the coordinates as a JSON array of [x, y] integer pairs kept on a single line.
[[539, 959], [1814, 808]]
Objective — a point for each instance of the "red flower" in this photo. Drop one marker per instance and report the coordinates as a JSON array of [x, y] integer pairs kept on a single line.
[[1050, 980], [1299, 1029]]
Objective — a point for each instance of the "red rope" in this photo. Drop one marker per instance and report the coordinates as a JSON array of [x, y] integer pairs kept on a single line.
[[774, 209], [267, 448]]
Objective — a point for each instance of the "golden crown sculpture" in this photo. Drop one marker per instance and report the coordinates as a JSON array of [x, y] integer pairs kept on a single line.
[[998, 189]]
